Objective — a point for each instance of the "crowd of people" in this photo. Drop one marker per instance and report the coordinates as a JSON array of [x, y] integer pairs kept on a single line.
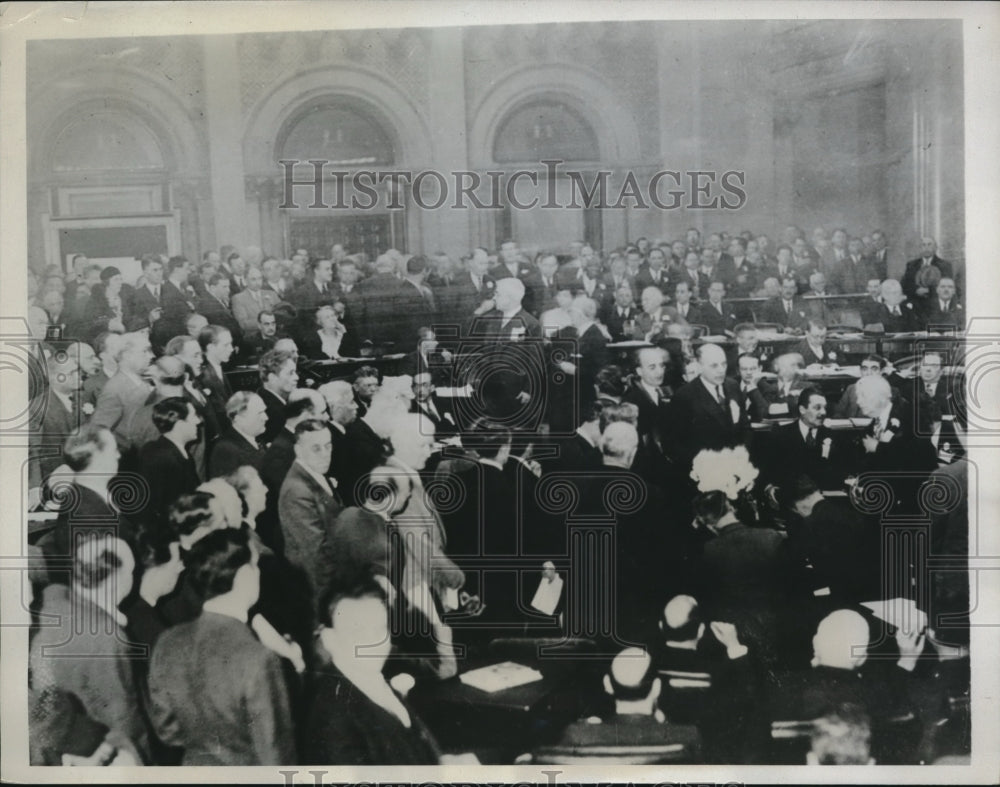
[[263, 567]]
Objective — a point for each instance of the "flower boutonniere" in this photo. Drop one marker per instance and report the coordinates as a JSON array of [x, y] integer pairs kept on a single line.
[[827, 442], [206, 391], [894, 422], [802, 314], [832, 356], [909, 305], [88, 408]]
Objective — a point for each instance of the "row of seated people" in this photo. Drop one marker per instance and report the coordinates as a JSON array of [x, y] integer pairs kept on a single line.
[[384, 304], [296, 505]]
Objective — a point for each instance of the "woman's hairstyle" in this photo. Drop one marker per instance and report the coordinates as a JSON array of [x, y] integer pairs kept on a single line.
[[212, 562]]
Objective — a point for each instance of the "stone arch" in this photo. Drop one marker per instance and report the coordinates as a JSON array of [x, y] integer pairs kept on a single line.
[[130, 91], [397, 114], [578, 87]]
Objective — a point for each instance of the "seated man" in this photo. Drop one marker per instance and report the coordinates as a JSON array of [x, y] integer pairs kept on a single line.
[[238, 444], [428, 403], [717, 315], [814, 348], [787, 310], [754, 403], [747, 343], [896, 314], [637, 721], [431, 358], [215, 689], [782, 394], [944, 312], [366, 382], [354, 715], [847, 407]]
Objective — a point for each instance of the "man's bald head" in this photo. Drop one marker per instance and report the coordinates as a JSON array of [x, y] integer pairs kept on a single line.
[[841, 641]]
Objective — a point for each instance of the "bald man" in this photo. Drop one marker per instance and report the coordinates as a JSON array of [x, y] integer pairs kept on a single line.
[[918, 280], [706, 413], [637, 721]]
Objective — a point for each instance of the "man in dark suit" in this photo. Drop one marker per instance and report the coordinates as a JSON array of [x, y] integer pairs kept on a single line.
[[510, 337], [944, 311], [378, 320], [237, 446], [471, 294], [581, 452], [542, 284], [146, 308], [429, 358], [648, 393], [753, 401], [412, 303], [215, 306], [715, 313], [783, 267], [706, 412], [428, 403], [788, 310], [361, 451], [743, 573], [807, 447], [879, 258], [870, 308], [217, 348], [814, 348], [511, 263], [834, 540], [165, 462], [691, 275], [931, 384], [851, 273], [343, 411], [591, 348], [215, 690], [620, 313], [313, 293], [747, 343], [366, 383], [654, 273], [278, 378], [176, 299], [897, 315], [918, 279], [308, 504], [637, 721]]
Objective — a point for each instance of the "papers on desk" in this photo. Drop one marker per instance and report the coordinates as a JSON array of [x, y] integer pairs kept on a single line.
[[838, 423], [714, 339], [860, 422], [498, 677]]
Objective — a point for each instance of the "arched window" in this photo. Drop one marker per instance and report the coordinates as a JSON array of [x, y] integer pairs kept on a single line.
[[106, 140], [545, 129], [341, 135]]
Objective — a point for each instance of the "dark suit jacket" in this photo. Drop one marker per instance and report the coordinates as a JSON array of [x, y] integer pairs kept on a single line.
[[344, 726], [306, 512], [953, 316], [168, 473], [275, 415], [51, 425], [697, 421], [276, 462], [219, 693], [743, 569], [311, 345], [444, 423], [217, 314], [616, 323], [644, 279], [521, 361], [231, 451], [654, 419], [791, 457], [542, 298], [809, 357], [908, 319], [143, 303], [464, 298], [909, 280], [359, 452], [774, 311], [307, 299], [219, 392], [177, 305], [441, 372], [753, 402], [576, 454], [771, 391], [387, 311], [718, 324], [592, 347]]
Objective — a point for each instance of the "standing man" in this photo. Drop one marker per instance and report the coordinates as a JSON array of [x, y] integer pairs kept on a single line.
[[248, 305], [278, 378]]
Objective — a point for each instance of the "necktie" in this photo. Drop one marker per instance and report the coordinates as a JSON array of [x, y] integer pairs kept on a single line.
[[621, 313], [788, 307], [156, 293], [811, 438], [721, 397], [896, 312], [478, 283], [683, 310], [929, 388]]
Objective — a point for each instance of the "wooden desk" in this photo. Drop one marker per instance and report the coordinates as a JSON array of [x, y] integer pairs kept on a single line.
[[247, 378]]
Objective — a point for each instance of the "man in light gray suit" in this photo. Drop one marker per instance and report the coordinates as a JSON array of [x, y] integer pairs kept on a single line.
[[249, 303], [126, 391]]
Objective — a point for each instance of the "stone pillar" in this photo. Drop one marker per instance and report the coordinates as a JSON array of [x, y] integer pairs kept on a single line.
[[447, 229], [225, 141]]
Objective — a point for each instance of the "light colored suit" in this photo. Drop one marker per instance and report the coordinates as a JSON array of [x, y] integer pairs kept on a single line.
[[245, 308], [119, 399], [306, 511]]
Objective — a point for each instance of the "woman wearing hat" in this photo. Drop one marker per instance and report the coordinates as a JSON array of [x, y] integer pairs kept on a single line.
[[109, 307]]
